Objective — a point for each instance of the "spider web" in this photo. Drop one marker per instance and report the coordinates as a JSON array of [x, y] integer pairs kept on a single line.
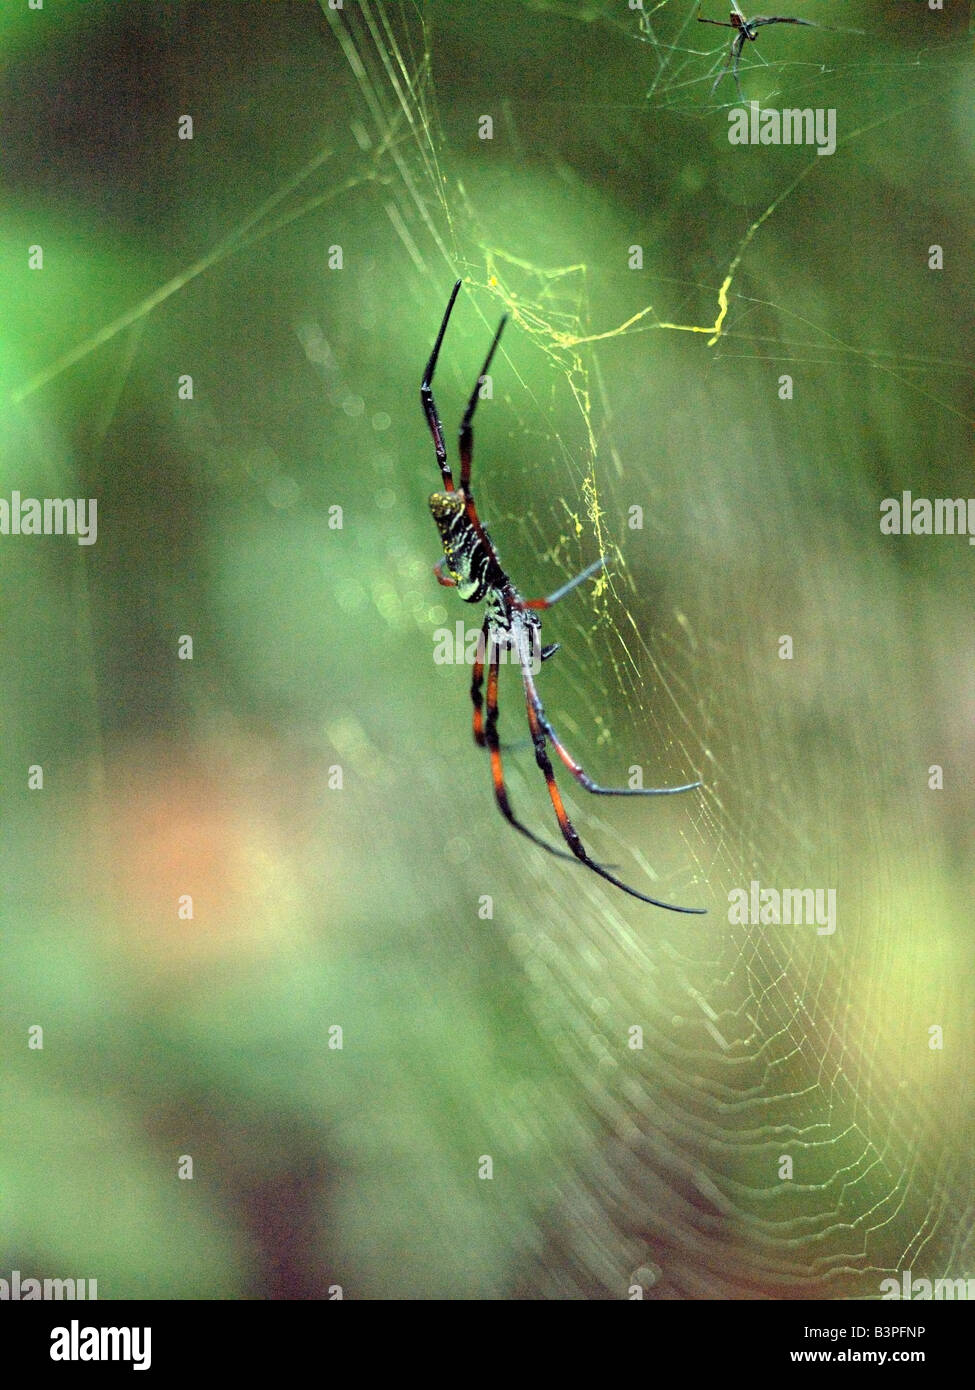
[[653, 388], [759, 1041]]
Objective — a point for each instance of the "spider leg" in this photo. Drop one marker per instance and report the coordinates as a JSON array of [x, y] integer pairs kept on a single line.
[[736, 49], [566, 588], [490, 737], [427, 401], [577, 771], [466, 425], [720, 23], [582, 776], [778, 19], [569, 831], [736, 41], [477, 682]]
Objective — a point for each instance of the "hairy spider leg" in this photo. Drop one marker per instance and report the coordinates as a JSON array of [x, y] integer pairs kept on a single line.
[[427, 401], [533, 704]]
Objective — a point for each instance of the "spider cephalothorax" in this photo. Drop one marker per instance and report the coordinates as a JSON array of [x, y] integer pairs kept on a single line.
[[743, 25], [471, 565]]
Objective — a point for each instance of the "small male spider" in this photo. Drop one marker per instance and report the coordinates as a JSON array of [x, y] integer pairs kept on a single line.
[[471, 565], [745, 30]]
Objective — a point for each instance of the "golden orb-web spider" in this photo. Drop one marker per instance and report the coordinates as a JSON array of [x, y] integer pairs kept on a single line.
[[471, 565], [746, 30]]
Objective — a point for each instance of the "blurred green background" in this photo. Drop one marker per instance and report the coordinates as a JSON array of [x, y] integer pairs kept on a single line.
[[363, 906]]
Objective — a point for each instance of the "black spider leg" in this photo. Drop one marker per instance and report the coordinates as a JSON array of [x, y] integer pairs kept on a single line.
[[718, 23], [477, 684], [577, 771], [486, 735], [427, 401], [781, 19], [569, 831], [586, 781], [466, 436], [477, 699], [732, 61]]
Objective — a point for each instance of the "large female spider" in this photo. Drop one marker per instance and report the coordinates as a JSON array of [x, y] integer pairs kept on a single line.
[[471, 565], [745, 30]]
